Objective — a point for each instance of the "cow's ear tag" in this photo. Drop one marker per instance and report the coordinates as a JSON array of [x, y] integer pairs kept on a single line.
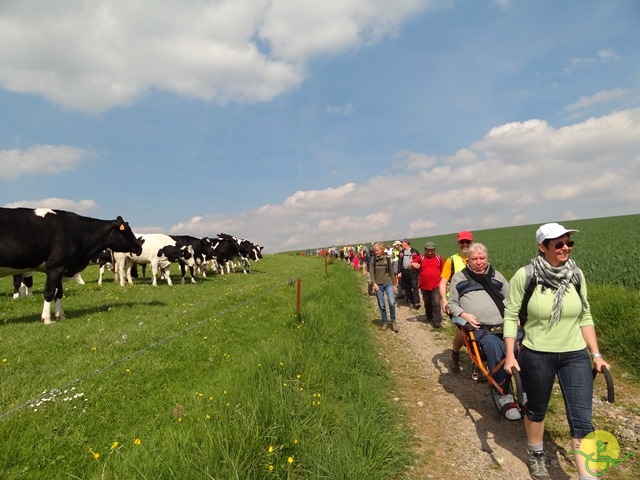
[[121, 227]]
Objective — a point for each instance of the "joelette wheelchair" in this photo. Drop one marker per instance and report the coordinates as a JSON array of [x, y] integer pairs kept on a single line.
[[513, 384], [510, 407]]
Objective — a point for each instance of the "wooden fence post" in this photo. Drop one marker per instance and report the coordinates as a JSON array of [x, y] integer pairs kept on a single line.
[[298, 297]]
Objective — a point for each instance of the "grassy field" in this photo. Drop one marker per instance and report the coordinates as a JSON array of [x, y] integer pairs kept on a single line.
[[602, 250], [216, 380], [223, 380]]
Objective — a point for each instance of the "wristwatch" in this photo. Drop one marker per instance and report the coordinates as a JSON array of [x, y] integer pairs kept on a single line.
[[596, 355]]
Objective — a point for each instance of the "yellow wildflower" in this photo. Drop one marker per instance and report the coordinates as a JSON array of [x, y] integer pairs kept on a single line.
[[290, 459], [96, 455], [137, 441], [114, 446]]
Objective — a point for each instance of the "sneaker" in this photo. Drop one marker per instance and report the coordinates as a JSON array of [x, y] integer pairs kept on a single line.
[[394, 327], [537, 466], [385, 325], [454, 362]]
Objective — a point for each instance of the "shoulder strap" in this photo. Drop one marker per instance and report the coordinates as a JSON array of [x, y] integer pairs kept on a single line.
[[530, 283], [530, 286], [453, 267]]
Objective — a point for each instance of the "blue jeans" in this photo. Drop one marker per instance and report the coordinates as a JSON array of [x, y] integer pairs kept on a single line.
[[386, 288], [493, 347], [538, 372]]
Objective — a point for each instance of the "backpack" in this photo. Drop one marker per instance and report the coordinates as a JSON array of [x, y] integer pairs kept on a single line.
[[530, 286], [438, 256], [389, 269]]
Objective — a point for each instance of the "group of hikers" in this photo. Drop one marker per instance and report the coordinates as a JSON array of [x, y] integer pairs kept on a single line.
[[539, 323]]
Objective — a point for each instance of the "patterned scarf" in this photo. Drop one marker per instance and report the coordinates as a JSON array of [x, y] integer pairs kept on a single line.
[[558, 279]]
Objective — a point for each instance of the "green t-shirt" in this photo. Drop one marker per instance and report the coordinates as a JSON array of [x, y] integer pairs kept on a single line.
[[566, 336]]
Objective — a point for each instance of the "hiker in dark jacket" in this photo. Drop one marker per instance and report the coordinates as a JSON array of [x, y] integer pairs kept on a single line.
[[383, 280]]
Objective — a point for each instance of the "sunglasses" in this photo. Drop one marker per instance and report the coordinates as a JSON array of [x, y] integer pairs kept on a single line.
[[559, 245], [464, 242]]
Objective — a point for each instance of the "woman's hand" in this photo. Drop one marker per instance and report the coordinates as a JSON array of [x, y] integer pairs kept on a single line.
[[510, 363], [599, 362]]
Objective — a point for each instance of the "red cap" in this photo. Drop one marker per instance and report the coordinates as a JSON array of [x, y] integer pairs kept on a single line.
[[464, 235]]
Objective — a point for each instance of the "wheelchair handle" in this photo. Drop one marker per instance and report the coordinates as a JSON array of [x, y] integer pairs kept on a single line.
[[518, 381], [611, 395]]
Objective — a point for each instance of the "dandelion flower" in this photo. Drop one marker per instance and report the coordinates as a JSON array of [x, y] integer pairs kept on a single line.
[[137, 441], [4, 360], [290, 459], [114, 446], [96, 455], [270, 468], [270, 448]]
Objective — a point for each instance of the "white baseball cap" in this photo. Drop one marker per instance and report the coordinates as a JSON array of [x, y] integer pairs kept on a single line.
[[552, 230]]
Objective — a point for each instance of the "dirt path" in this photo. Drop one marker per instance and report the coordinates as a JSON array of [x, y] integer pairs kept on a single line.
[[458, 432]]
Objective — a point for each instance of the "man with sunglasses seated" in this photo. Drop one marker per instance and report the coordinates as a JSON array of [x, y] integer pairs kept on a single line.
[[477, 300]]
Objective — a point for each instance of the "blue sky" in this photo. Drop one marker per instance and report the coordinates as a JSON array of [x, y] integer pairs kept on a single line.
[[297, 123]]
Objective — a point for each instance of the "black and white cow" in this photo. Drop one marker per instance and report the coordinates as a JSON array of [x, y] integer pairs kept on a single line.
[[23, 284], [106, 262], [58, 243], [159, 251], [242, 251], [224, 250], [202, 251]]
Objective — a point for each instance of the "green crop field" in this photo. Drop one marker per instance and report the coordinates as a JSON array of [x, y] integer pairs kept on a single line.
[[223, 379]]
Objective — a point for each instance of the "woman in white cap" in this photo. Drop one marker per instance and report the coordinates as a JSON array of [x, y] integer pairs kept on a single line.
[[549, 297]]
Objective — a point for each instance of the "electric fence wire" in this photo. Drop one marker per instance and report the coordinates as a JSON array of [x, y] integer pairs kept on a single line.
[[289, 282]]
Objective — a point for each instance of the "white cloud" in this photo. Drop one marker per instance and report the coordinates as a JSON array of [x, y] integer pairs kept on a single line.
[[41, 159], [413, 161], [82, 207], [599, 98], [602, 56], [524, 172], [503, 4], [94, 56], [345, 110]]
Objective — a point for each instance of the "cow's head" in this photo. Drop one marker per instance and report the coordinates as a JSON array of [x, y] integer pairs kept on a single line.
[[122, 239]]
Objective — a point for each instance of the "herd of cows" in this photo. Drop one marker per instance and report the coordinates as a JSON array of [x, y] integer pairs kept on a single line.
[[61, 244]]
